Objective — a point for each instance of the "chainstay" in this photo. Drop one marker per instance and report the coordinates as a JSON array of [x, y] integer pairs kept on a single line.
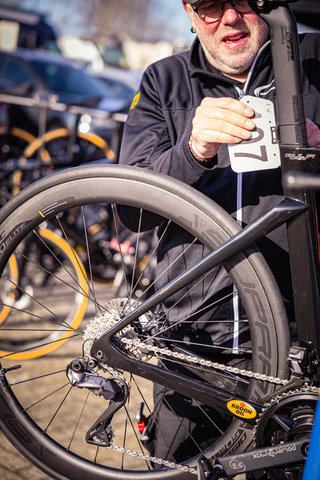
[[136, 346]]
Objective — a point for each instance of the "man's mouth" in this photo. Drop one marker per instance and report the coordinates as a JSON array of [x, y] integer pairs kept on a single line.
[[234, 38]]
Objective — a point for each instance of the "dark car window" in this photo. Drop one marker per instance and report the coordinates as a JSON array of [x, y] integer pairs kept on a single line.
[[64, 79], [14, 72]]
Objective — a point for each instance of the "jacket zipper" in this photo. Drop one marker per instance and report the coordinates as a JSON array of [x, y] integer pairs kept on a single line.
[[239, 210]]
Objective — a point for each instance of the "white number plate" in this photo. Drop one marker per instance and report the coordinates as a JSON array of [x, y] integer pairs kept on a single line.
[[261, 152]]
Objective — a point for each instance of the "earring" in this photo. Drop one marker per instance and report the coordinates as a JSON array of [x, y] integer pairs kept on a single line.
[[193, 30]]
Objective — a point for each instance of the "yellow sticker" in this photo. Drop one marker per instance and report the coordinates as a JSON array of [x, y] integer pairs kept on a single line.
[[135, 100], [241, 409]]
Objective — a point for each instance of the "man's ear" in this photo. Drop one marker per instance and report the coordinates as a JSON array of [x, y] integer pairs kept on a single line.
[[184, 5], [188, 9]]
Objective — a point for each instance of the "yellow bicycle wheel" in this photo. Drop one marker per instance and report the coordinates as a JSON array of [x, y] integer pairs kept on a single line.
[[51, 270], [58, 147], [58, 144]]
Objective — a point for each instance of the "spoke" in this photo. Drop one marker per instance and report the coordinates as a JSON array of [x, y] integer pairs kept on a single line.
[[36, 378], [96, 456], [168, 268], [38, 329], [91, 289], [151, 258], [115, 222], [41, 345], [186, 320], [59, 407], [60, 263], [217, 347], [174, 413], [79, 419], [57, 319], [150, 413], [209, 418], [31, 314], [135, 433], [47, 396]]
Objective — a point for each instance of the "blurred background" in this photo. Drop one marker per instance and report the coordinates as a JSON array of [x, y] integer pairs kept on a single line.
[[77, 65], [73, 68]]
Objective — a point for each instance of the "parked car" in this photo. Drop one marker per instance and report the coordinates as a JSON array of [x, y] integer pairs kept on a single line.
[[124, 83], [26, 73]]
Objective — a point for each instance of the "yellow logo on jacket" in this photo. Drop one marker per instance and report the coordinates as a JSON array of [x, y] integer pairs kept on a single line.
[[135, 100]]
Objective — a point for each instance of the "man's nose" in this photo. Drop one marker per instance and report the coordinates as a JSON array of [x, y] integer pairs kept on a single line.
[[229, 15]]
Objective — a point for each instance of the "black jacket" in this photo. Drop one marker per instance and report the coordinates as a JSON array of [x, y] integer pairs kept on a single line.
[[156, 137]]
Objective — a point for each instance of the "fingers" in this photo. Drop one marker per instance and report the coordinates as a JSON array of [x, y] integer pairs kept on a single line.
[[313, 134], [218, 121]]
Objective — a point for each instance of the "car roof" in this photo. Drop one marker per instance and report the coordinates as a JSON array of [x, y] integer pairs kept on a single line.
[[129, 77], [39, 55]]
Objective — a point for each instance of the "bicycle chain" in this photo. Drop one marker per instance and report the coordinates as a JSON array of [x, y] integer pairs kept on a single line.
[[160, 461], [136, 347], [101, 324], [201, 361]]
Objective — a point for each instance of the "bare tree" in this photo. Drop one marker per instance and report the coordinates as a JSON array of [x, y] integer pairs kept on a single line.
[[118, 18]]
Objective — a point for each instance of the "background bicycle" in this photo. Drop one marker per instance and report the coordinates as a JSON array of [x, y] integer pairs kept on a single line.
[[111, 250]]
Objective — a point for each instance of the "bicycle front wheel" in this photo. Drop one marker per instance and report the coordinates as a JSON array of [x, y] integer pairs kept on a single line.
[[52, 415]]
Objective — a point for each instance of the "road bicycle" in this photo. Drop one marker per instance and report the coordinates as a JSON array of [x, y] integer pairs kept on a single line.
[[74, 417]]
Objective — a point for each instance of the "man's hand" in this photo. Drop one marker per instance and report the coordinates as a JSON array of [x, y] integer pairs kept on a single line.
[[218, 121], [313, 134]]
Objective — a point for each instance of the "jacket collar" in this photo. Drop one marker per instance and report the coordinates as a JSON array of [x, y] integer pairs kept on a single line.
[[198, 64]]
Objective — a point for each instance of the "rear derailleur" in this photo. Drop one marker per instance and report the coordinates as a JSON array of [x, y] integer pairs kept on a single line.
[[81, 375]]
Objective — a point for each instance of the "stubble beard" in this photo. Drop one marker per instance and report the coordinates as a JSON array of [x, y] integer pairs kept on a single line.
[[238, 61]]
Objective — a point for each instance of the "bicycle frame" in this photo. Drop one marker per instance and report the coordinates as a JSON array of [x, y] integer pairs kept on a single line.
[[295, 156], [298, 212]]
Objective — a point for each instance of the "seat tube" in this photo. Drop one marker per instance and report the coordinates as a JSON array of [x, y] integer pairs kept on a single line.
[[295, 156]]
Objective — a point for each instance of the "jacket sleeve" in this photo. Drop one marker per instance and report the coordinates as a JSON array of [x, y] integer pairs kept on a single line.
[[150, 140]]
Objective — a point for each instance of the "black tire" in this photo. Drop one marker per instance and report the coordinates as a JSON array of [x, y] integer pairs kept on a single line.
[[51, 449]]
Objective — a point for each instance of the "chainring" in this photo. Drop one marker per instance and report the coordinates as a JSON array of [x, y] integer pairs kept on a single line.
[[289, 417]]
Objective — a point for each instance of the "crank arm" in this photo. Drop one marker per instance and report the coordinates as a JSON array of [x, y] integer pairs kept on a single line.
[[259, 459]]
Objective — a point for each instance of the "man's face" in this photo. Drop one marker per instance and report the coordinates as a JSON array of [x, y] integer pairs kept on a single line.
[[231, 43]]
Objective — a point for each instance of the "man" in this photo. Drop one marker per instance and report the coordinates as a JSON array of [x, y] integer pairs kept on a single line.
[[186, 112]]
